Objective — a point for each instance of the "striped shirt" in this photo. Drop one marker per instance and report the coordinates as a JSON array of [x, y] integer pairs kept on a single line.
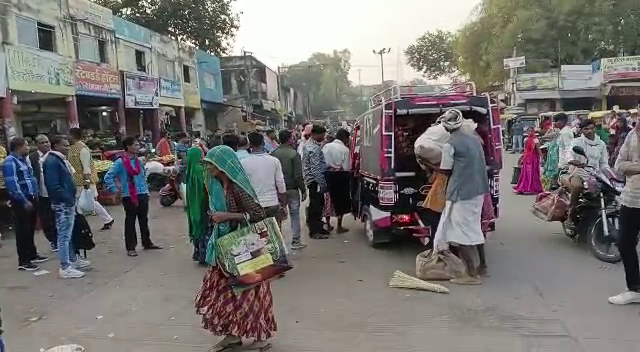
[[19, 179], [629, 155]]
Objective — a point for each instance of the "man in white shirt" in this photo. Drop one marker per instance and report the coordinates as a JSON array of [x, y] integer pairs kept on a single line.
[[43, 207], [265, 174], [336, 155]]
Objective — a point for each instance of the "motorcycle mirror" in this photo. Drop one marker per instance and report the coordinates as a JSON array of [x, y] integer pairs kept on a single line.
[[578, 150]]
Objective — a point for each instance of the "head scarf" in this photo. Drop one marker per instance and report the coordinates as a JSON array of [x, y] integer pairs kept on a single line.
[[225, 159], [451, 119], [196, 194]]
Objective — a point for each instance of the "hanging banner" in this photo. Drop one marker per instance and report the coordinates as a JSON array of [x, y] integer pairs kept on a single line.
[[170, 88], [98, 81], [619, 68], [141, 91], [39, 71]]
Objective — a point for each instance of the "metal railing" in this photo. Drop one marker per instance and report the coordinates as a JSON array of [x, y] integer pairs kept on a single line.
[[399, 91]]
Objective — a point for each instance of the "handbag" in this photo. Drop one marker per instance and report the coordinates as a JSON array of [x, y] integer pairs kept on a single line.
[[551, 206], [253, 253], [82, 237]]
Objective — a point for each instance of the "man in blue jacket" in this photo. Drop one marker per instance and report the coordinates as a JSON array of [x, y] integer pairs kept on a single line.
[[58, 178], [128, 170]]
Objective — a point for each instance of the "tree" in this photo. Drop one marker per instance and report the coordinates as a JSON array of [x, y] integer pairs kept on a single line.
[[208, 24], [433, 54]]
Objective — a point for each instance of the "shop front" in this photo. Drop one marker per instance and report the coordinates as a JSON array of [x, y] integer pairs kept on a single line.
[[621, 81], [99, 98], [141, 102], [41, 96]]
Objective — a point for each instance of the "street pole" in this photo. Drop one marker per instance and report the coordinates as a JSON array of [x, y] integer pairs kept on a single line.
[[381, 52], [514, 78]]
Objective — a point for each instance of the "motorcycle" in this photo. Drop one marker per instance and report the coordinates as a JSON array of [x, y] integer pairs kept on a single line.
[[597, 213], [170, 193], [157, 175]]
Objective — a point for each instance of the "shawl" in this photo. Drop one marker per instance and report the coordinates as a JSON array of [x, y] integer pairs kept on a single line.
[[196, 194], [225, 159]]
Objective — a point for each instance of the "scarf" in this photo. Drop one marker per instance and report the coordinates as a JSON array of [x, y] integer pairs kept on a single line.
[[131, 174], [196, 193], [225, 159]]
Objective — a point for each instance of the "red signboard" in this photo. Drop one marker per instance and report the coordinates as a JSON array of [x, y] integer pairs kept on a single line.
[[96, 80]]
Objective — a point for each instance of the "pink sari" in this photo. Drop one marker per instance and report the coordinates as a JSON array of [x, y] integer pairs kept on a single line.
[[529, 181]]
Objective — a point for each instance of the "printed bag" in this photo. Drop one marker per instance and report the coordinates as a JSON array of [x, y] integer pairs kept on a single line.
[[253, 254], [551, 206]]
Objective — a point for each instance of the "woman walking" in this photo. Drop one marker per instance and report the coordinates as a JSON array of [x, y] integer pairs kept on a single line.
[[529, 181], [236, 315], [197, 205]]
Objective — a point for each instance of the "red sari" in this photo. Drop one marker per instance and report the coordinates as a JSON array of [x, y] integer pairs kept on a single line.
[[530, 181]]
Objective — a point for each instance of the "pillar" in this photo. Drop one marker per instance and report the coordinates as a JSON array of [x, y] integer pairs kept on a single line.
[[183, 119], [155, 125], [72, 112], [9, 121], [122, 119]]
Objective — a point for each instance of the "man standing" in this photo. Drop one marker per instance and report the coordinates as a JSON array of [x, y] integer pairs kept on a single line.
[[296, 190], [517, 130], [265, 174], [270, 143], [45, 213], [22, 188], [243, 147], [336, 155], [181, 154], [314, 168], [628, 165], [129, 172], [85, 175], [460, 223], [58, 179]]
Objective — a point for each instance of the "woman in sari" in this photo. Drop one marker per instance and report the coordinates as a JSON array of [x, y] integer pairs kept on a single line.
[[197, 205], [529, 181], [236, 315]]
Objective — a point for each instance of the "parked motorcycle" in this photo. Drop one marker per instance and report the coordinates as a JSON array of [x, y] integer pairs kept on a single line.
[[596, 215], [157, 175], [170, 193]]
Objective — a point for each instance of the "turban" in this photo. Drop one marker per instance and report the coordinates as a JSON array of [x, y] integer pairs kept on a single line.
[[451, 119]]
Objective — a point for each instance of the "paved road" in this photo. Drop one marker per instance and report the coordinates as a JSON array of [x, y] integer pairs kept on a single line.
[[545, 294]]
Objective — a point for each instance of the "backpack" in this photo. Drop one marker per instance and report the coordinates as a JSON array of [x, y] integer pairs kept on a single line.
[[82, 237]]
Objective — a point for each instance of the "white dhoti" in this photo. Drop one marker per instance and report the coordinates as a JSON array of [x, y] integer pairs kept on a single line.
[[460, 223]]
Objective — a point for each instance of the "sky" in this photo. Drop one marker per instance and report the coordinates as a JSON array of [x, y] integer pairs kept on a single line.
[[281, 32]]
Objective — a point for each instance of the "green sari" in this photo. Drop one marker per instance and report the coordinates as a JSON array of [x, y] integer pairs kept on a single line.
[[551, 171], [225, 159], [196, 194]]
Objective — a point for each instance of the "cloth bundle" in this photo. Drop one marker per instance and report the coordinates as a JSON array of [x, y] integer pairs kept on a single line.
[[429, 145]]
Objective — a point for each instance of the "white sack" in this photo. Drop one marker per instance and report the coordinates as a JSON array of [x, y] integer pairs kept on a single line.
[[429, 145]]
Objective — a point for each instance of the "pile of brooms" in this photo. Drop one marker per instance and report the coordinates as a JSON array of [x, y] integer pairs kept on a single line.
[[402, 280]]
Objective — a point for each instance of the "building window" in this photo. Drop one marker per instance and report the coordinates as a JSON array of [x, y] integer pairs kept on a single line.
[[141, 62], [166, 68], [227, 87], [92, 49], [189, 73], [209, 81], [36, 34]]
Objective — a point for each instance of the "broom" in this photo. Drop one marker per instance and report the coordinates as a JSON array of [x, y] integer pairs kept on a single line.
[[402, 280]]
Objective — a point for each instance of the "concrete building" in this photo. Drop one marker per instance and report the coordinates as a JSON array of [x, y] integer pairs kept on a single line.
[[210, 84], [166, 62], [193, 117], [620, 79], [39, 53], [140, 82]]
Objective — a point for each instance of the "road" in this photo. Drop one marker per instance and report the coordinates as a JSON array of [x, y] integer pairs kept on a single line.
[[546, 293]]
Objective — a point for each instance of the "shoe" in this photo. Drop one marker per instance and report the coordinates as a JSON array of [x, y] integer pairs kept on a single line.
[[625, 298], [28, 267], [107, 226], [39, 259], [54, 247], [80, 263], [298, 245], [70, 273], [132, 253]]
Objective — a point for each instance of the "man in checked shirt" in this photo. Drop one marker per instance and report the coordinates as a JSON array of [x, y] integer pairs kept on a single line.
[[314, 168], [22, 187]]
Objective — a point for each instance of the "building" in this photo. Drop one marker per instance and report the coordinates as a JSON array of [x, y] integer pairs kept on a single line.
[[620, 79], [212, 100], [251, 90], [166, 62], [192, 118]]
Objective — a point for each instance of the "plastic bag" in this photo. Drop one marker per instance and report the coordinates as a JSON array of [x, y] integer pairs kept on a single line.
[[434, 266], [86, 202]]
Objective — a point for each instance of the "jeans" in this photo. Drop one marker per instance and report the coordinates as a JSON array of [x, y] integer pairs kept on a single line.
[[629, 228], [65, 217], [1, 344], [25, 223], [47, 220], [518, 143], [133, 212], [293, 203], [314, 210]]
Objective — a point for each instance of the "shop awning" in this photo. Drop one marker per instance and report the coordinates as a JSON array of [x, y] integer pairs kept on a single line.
[[560, 94]]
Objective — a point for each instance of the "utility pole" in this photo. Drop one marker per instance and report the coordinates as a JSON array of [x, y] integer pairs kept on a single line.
[[381, 52], [247, 82], [360, 84]]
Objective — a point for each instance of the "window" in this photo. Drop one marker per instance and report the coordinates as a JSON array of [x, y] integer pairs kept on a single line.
[[141, 62], [36, 34], [226, 83], [209, 81], [166, 68], [186, 73], [92, 49]]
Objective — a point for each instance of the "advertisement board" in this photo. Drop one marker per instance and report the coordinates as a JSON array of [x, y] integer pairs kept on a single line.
[[39, 71], [537, 81], [141, 91], [88, 11], [94, 80], [170, 88], [620, 68]]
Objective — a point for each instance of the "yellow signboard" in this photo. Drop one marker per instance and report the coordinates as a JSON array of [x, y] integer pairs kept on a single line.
[[39, 71], [191, 95]]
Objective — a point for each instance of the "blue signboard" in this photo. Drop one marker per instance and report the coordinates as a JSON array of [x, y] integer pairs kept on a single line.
[[170, 88], [209, 77], [132, 32]]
